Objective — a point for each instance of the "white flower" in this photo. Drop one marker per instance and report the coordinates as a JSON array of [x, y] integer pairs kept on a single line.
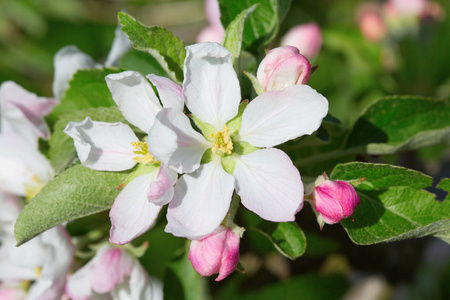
[[237, 148], [115, 147], [112, 273], [70, 59]]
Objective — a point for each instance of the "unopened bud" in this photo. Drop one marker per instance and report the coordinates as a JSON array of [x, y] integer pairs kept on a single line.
[[216, 253], [282, 67], [334, 200]]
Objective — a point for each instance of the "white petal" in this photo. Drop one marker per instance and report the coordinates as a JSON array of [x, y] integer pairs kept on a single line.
[[210, 83], [120, 46], [103, 146], [132, 214], [24, 109], [137, 287], [175, 143], [135, 98], [9, 269], [59, 254], [68, 61], [170, 93], [161, 188], [275, 117], [79, 284], [47, 289], [201, 201], [269, 184]]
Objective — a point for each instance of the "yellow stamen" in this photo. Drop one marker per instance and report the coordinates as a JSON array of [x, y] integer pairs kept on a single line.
[[142, 150], [33, 187], [222, 141], [38, 272]]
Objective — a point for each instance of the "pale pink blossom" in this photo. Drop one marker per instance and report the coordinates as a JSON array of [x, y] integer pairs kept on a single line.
[[371, 23], [216, 253], [112, 273], [282, 67], [115, 147], [306, 37], [214, 32]]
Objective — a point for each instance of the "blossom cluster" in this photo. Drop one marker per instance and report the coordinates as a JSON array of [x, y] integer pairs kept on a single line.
[[202, 148]]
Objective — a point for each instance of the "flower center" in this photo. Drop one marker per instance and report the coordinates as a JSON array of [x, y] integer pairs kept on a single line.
[[222, 141], [33, 187], [142, 150]]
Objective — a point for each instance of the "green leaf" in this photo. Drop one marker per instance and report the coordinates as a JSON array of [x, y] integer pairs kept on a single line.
[[444, 184], [262, 25], [86, 89], [75, 193], [309, 286], [287, 238], [166, 48], [234, 33], [62, 150], [393, 207], [234, 125], [182, 282], [255, 83], [400, 123], [142, 62]]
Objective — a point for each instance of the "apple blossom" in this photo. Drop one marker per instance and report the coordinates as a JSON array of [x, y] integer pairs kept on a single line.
[[114, 147], [235, 150], [68, 60], [282, 67], [216, 253], [114, 273], [333, 201], [23, 112], [306, 37], [371, 23]]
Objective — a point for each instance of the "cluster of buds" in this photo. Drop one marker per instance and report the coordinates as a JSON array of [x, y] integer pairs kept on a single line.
[[332, 201]]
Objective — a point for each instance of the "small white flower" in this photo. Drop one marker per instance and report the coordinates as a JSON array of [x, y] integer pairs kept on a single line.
[[114, 147]]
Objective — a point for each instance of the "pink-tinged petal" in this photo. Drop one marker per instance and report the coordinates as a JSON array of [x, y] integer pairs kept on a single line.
[[68, 61], [306, 37], [119, 47], [47, 289], [132, 214], [275, 117], [110, 269], [201, 201], [211, 34], [269, 184], [135, 98], [103, 146], [161, 188], [78, 286], [174, 142], [335, 200], [290, 71], [170, 93], [230, 255], [12, 291], [206, 254], [24, 109], [216, 253], [212, 11], [210, 84], [271, 60]]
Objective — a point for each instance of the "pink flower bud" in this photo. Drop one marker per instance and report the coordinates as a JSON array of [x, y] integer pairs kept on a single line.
[[282, 67], [371, 23], [306, 37], [216, 253], [334, 200], [409, 7]]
